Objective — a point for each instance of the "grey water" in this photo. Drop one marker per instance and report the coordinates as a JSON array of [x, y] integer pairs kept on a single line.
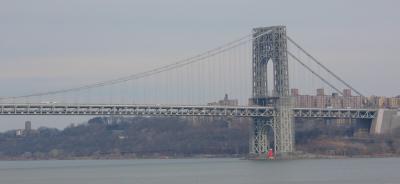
[[202, 171]]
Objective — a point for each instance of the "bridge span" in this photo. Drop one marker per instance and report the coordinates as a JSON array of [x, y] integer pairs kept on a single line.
[[178, 110], [254, 68]]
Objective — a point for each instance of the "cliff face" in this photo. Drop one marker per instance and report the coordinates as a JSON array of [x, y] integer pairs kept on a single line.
[[155, 137], [132, 136]]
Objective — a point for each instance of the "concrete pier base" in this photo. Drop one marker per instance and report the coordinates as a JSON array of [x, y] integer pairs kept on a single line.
[[385, 121]]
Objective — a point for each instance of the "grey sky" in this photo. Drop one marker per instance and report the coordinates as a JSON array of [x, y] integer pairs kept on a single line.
[[50, 44]]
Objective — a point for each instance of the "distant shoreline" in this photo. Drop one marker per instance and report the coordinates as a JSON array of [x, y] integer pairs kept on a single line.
[[244, 157]]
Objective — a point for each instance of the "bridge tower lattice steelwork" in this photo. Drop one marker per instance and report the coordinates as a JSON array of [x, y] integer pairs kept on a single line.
[[271, 46]]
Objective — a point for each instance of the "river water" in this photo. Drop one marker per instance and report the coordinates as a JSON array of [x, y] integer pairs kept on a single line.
[[202, 171]]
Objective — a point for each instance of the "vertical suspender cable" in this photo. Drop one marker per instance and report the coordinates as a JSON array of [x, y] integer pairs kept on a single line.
[[321, 65], [313, 72]]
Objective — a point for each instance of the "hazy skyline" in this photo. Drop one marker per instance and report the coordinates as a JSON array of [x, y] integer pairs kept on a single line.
[[52, 44]]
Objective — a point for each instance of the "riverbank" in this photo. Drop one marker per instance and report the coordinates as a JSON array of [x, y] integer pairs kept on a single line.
[[302, 156], [173, 138], [125, 157]]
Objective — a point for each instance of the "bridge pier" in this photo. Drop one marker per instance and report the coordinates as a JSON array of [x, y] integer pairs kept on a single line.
[[284, 122], [385, 121], [260, 139]]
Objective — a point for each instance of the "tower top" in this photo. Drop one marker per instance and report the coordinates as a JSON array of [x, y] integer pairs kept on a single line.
[[257, 29]]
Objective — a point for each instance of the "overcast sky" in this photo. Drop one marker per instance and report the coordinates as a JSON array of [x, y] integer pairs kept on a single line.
[[50, 44]]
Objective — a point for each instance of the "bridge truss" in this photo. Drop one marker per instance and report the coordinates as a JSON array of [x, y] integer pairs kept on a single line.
[[177, 110]]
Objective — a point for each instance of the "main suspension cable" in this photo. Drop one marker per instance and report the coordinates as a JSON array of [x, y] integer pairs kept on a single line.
[[313, 72], [323, 66]]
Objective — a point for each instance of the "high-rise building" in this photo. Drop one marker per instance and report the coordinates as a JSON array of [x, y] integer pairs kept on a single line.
[[320, 101], [226, 102], [347, 92], [28, 126], [346, 101]]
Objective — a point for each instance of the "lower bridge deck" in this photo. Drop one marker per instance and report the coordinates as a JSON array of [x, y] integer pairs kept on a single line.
[[177, 110]]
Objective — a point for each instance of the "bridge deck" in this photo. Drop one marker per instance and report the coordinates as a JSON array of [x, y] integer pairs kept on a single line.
[[177, 110]]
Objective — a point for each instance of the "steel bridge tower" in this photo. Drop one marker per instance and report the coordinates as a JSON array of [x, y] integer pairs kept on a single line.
[[270, 45]]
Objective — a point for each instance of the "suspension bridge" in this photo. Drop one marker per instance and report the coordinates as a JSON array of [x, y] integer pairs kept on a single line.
[[257, 70]]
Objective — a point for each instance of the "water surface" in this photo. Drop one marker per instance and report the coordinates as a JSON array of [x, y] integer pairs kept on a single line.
[[202, 171]]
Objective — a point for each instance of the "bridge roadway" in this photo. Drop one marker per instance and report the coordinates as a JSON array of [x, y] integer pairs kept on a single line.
[[177, 110]]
